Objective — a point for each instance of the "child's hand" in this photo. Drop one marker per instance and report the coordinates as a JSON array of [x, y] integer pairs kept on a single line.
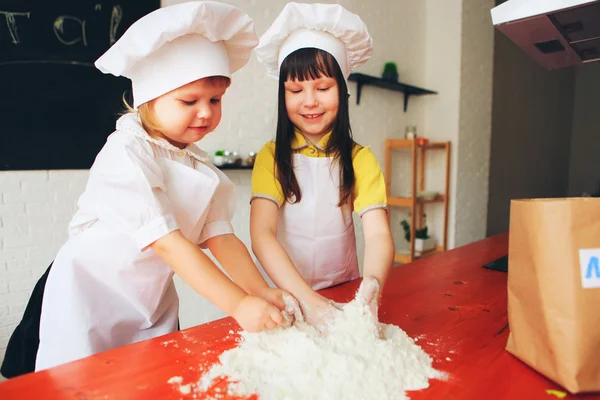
[[255, 314], [368, 294], [273, 296], [292, 308], [320, 311], [285, 302]]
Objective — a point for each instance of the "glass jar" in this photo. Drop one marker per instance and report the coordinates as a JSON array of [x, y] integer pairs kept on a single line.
[[410, 132], [251, 158]]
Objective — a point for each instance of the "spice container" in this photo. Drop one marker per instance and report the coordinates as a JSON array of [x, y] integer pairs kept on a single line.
[[251, 158], [410, 132]]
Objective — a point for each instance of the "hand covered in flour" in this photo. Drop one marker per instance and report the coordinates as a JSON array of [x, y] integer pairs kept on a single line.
[[285, 302], [368, 294], [292, 312], [320, 311], [255, 314], [273, 296]]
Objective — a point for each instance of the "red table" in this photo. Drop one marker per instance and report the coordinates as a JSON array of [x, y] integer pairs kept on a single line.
[[455, 307]]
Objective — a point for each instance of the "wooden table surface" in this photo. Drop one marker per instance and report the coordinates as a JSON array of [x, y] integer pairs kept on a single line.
[[455, 307]]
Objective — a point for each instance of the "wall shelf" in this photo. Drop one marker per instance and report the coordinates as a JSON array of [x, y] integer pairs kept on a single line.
[[228, 167], [408, 90], [406, 258]]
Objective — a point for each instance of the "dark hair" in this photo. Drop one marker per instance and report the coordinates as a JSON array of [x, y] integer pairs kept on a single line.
[[306, 64]]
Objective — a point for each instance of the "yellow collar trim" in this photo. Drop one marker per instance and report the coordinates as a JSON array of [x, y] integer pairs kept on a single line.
[[300, 142]]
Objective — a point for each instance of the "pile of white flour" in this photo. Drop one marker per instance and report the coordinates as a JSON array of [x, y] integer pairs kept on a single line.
[[352, 361]]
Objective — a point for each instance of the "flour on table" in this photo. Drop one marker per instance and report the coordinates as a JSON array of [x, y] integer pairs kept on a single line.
[[350, 362]]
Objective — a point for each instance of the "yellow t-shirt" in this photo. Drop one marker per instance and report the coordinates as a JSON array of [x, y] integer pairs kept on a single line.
[[369, 188]]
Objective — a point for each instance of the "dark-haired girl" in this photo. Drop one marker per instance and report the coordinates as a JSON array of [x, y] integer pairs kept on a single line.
[[308, 182]]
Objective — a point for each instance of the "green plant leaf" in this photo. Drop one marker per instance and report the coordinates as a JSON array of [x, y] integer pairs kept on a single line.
[[390, 67], [419, 233]]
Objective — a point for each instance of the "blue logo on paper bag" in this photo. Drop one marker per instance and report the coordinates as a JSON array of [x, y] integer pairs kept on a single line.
[[593, 268], [589, 263]]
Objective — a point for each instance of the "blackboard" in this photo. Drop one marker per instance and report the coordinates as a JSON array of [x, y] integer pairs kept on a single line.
[[56, 108]]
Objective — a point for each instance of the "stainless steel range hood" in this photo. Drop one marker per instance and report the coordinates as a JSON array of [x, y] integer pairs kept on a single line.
[[556, 33]]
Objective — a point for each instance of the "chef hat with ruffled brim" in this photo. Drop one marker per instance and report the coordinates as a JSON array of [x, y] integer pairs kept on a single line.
[[179, 44], [328, 27]]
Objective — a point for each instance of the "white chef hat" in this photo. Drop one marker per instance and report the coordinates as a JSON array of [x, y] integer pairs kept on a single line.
[[179, 44], [328, 27]]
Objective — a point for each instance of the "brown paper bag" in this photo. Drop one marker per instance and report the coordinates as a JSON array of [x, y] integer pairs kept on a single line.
[[554, 289]]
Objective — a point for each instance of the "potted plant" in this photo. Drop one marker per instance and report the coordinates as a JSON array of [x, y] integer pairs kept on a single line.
[[423, 242], [219, 158], [390, 72]]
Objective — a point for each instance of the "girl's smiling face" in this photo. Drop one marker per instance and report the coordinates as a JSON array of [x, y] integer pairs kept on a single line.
[[312, 105]]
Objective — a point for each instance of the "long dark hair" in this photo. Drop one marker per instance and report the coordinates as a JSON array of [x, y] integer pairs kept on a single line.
[[306, 64]]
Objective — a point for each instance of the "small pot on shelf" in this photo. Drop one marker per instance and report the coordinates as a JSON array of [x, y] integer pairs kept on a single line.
[[423, 245], [219, 158], [390, 72]]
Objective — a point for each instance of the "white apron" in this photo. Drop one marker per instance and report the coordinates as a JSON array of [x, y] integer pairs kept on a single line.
[[103, 292], [316, 233]]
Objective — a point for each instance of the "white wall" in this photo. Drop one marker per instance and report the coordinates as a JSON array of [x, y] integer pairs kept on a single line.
[[424, 38], [459, 65], [442, 74], [475, 124]]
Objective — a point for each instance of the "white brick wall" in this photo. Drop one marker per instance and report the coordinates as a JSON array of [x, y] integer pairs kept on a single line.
[[35, 207]]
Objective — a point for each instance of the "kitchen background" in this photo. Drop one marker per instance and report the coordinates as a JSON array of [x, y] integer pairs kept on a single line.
[[516, 129]]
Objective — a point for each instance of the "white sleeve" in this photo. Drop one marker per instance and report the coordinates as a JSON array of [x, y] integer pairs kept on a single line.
[[220, 213], [127, 187]]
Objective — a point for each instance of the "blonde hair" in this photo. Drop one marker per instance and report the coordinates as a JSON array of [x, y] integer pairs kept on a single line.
[[146, 110], [146, 113]]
